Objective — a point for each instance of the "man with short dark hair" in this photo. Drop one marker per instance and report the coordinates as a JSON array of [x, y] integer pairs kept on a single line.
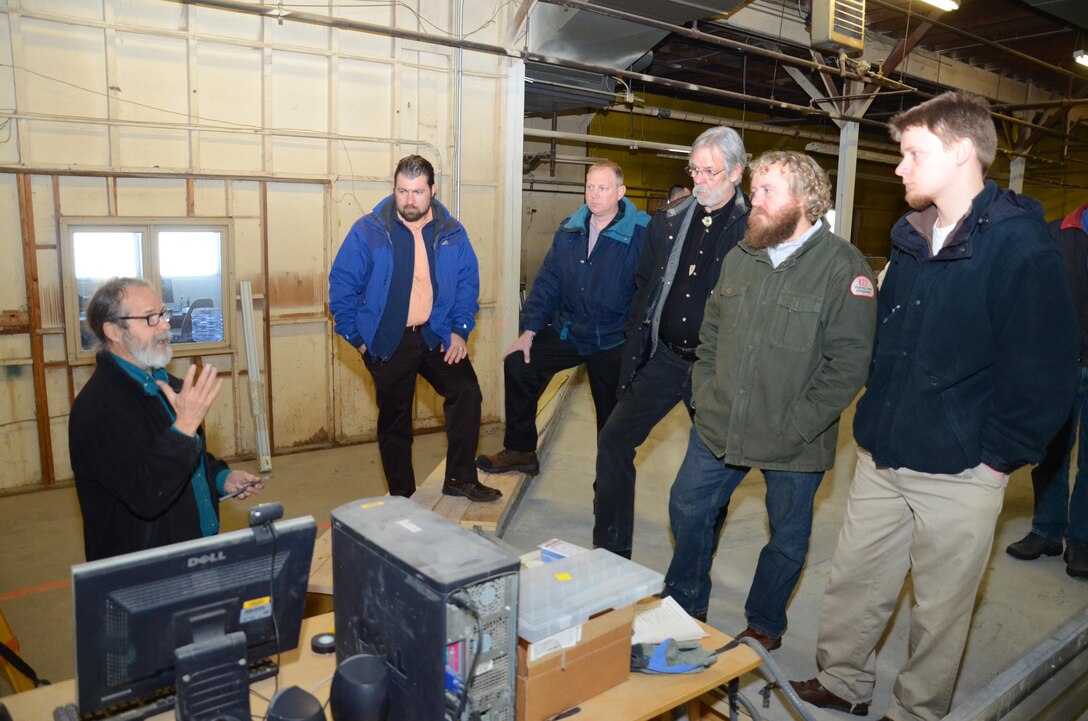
[[784, 346], [677, 192], [685, 244], [403, 292], [144, 475], [575, 313], [973, 373]]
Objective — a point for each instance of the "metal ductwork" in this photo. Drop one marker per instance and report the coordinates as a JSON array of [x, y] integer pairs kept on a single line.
[[584, 36]]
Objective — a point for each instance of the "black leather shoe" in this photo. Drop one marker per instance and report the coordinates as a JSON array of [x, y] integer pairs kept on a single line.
[[814, 692], [768, 642], [1032, 546], [477, 492], [1076, 559]]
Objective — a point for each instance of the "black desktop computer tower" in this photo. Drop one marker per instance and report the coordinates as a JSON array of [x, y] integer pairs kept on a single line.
[[436, 600]]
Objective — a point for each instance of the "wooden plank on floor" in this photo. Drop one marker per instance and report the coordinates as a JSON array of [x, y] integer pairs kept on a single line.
[[496, 516], [321, 565]]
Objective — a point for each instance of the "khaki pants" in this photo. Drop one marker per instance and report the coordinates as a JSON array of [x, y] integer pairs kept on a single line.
[[940, 527]]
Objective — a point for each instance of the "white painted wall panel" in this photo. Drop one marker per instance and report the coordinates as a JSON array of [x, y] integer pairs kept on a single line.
[[353, 394], [152, 78], [154, 15], [9, 131], [300, 97], [480, 207], [86, 9], [68, 60], [82, 195], [12, 283], [366, 98], [218, 24], [54, 348], [299, 389], [297, 267], [73, 146], [19, 459], [300, 157], [301, 35], [153, 150], [62, 462], [14, 349], [210, 198], [49, 287], [229, 85], [230, 153], [152, 197]]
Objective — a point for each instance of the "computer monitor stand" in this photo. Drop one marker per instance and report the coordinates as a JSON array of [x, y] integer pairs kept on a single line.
[[212, 672]]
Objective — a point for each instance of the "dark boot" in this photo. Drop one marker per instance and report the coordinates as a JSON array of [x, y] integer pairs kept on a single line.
[[506, 460], [1076, 558], [1032, 546], [477, 492]]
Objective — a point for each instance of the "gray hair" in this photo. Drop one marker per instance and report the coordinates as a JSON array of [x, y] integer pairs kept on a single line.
[[105, 307], [727, 142]]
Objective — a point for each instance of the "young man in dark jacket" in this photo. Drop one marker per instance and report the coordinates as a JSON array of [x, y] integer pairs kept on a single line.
[[144, 475], [1058, 515], [784, 347], [685, 243], [403, 292], [973, 373], [575, 313]]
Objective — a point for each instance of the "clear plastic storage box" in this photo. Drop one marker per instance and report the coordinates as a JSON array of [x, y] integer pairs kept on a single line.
[[565, 593]]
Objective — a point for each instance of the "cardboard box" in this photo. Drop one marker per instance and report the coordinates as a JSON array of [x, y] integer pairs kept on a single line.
[[564, 678]]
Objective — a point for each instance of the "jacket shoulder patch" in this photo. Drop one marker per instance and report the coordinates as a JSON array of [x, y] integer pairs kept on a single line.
[[862, 287]]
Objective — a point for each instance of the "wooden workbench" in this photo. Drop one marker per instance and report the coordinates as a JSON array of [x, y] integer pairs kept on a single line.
[[640, 698]]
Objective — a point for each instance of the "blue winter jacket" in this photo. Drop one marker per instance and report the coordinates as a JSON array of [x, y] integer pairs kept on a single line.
[[976, 347], [587, 299], [360, 277]]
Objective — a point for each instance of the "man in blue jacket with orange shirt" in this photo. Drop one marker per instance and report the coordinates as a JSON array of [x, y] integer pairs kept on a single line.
[[403, 291]]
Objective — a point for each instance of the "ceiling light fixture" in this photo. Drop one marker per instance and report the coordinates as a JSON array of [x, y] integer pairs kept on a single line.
[[944, 4], [1081, 57]]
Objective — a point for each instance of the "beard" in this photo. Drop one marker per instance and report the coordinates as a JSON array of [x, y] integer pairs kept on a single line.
[[918, 201], [155, 354], [775, 231], [412, 213], [710, 198]]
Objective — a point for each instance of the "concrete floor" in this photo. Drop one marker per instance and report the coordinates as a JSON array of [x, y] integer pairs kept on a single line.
[[1019, 605]]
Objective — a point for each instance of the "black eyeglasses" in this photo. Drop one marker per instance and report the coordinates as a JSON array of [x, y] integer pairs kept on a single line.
[[696, 172], [152, 319]]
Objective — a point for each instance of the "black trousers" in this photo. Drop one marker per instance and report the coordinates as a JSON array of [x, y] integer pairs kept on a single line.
[[525, 382], [395, 384]]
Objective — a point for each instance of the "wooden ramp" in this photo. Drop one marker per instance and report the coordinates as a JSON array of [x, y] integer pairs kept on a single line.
[[493, 517]]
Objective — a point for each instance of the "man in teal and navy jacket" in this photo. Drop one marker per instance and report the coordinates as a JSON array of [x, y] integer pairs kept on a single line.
[[576, 313], [403, 291]]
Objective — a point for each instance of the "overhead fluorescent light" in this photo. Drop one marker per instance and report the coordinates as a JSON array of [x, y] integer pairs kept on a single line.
[[944, 4], [1081, 57]]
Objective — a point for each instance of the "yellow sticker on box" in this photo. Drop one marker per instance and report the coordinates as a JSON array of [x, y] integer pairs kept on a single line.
[[564, 576]]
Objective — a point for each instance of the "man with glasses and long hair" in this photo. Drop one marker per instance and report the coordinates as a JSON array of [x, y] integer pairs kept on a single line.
[[685, 244], [144, 475]]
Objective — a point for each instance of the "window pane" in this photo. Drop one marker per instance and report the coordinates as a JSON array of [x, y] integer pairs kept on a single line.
[[191, 270], [99, 256]]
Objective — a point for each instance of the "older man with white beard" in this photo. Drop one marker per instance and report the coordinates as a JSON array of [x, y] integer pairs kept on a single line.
[[144, 476], [784, 347]]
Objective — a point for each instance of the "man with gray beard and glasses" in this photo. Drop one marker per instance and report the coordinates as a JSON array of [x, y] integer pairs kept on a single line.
[[144, 475]]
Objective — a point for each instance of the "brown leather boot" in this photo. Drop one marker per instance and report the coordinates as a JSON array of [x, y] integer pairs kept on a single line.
[[507, 460], [814, 692]]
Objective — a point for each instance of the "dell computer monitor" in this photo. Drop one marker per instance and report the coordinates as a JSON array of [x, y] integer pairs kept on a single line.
[[157, 627]]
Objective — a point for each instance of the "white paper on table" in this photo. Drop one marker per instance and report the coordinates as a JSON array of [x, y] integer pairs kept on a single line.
[[654, 624]]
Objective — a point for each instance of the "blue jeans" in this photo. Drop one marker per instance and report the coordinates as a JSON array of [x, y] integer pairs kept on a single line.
[[663, 382], [701, 492], [1058, 515]]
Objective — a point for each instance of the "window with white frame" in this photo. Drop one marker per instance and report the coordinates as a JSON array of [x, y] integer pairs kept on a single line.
[[186, 259]]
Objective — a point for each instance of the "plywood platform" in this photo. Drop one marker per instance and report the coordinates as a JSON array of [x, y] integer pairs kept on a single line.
[[493, 517]]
